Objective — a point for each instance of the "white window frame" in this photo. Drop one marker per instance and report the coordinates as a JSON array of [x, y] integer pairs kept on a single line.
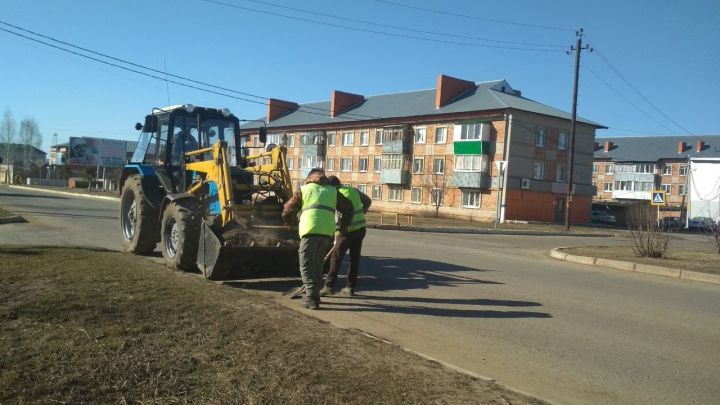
[[473, 200], [416, 195], [444, 132], [667, 188], [442, 166], [436, 194], [377, 192], [608, 186], [667, 170], [468, 163], [609, 169], [290, 163], [596, 168], [393, 191], [420, 135], [538, 170], [471, 131], [378, 136], [392, 161], [683, 170], [363, 159], [362, 188], [563, 145], [364, 137], [377, 164], [541, 137], [330, 163], [681, 189], [346, 167], [348, 138], [421, 168], [331, 138]]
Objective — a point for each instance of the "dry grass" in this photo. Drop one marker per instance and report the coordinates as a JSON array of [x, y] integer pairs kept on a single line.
[[706, 261], [100, 327], [5, 213]]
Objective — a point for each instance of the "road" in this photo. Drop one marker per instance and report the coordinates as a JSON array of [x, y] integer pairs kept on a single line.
[[493, 305]]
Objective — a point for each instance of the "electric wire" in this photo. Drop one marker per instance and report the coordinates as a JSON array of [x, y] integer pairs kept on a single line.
[[267, 3], [471, 17], [104, 55], [397, 35]]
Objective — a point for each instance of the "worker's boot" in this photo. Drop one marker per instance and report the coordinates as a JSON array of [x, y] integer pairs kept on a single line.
[[348, 291], [311, 302], [326, 291]]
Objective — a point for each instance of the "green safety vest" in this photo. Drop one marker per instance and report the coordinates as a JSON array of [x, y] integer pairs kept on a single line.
[[318, 210], [358, 220]]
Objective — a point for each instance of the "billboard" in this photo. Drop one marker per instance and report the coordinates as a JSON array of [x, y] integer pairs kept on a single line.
[[97, 152]]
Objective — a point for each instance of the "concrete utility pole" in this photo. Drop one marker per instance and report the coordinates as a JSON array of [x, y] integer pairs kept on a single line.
[[571, 157]]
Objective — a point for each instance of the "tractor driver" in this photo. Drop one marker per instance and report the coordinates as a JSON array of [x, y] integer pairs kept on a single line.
[[182, 142]]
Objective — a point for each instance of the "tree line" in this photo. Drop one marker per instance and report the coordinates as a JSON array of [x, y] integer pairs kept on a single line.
[[17, 144]]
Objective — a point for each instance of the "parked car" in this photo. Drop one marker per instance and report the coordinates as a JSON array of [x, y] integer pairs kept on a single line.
[[602, 217], [671, 223], [702, 224]]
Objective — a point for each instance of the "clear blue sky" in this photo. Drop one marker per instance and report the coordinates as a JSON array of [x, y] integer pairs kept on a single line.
[[667, 50]]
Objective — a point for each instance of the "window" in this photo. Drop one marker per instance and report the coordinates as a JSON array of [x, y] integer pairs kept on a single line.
[[420, 135], [609, 169], [331, 138], [608, 187], [346, 164], [471, 199], [395, 193], [273, 138], [440, 134], [439, 166], [470, 131], [683, 170], [416, 195], [667, 169], [436, 196], [377, 192], [291, 140], [330, 164], [645, 168], [667, 188], [377, 163], [363, 164], [562, 172], [348, 138], [538, 170], [299, 165], [624, 185], [467, 163], [681, 189], [290, 162], [313, 162], [362, 188], [594, 184], [540, 138], [562, 140], [364, 137], [418, 165], [595, 168], [392, 161], [643, 186], [378, 136]]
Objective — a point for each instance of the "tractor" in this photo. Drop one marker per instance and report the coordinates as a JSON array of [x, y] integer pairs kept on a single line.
[[213, 203]]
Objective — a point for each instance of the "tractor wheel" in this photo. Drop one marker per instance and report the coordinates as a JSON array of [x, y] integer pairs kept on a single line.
[[180, 235], [138, 219]]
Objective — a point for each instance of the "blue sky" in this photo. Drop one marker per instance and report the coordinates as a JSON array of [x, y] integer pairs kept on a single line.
[[667, 51]]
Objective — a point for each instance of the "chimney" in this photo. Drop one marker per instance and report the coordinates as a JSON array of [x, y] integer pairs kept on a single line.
[[278, 108], [448, 88], [341, 101], [699, 146], [682, 147], [609, 146]]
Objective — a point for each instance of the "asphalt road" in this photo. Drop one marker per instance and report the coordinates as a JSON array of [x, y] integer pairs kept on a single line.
[[493, 305]]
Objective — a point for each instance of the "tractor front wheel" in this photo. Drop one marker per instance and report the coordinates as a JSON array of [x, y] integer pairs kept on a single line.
[[180, 234], [138, 219]]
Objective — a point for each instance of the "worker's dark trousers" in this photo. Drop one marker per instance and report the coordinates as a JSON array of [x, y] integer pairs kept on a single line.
[[353, 241]]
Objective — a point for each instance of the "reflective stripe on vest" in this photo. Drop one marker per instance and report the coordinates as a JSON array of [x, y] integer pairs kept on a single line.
[[318, 211], [358, 220]]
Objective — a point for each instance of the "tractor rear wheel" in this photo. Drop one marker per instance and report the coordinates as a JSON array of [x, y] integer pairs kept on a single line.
[[138, 219], [180, 234]]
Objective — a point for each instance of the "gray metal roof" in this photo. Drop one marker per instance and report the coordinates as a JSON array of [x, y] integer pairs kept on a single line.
[[485, 96], [654, 148]]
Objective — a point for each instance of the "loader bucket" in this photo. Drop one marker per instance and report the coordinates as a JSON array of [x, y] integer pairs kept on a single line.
[[248, 253]]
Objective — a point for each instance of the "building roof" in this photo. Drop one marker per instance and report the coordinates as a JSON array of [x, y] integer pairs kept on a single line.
[[654, 148], [493, 95], [19, 146]]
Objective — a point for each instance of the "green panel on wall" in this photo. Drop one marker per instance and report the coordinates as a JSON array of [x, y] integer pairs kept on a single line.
[[471, 148]]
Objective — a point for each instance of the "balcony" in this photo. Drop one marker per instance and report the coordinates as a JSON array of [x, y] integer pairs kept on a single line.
[[395, 176], [313, 150], [471, 180], [631, 195], [631, 176]]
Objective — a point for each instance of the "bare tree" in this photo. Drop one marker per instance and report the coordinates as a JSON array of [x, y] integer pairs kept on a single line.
[[437, 185], [8, 131], [648, 238], [30, 138]]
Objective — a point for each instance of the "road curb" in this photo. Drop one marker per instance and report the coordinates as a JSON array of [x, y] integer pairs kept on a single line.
[[12, 220], [44, 190], [668, 272], [473, 231]]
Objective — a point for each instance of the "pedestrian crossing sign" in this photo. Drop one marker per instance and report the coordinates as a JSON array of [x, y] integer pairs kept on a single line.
[[658, 198]]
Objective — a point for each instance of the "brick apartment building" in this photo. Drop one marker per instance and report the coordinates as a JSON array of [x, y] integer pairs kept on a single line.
[[411, 150], [627, 169]]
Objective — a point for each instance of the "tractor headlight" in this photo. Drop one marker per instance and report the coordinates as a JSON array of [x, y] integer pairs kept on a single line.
[[226, 112], [189, 108]]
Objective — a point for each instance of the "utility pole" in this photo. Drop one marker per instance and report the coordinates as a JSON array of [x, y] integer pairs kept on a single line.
[[571, 156]]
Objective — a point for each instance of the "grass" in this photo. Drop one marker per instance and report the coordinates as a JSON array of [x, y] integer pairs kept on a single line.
[[705, 261], [6, 213], [102, 327]]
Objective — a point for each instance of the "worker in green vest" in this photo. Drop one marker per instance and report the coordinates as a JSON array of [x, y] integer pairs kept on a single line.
[[351, 240], [316, 202]]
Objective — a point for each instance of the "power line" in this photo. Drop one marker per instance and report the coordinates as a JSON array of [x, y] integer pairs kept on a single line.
[[404, 28], [164, 73], [405, 36], [493, 20]]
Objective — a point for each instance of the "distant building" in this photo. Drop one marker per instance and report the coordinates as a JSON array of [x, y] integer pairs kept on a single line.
[[627, 169], [14, 156], [414, 150]]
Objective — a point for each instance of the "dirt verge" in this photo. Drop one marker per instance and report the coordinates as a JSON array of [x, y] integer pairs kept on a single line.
[[102, 327], [705, 261]]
